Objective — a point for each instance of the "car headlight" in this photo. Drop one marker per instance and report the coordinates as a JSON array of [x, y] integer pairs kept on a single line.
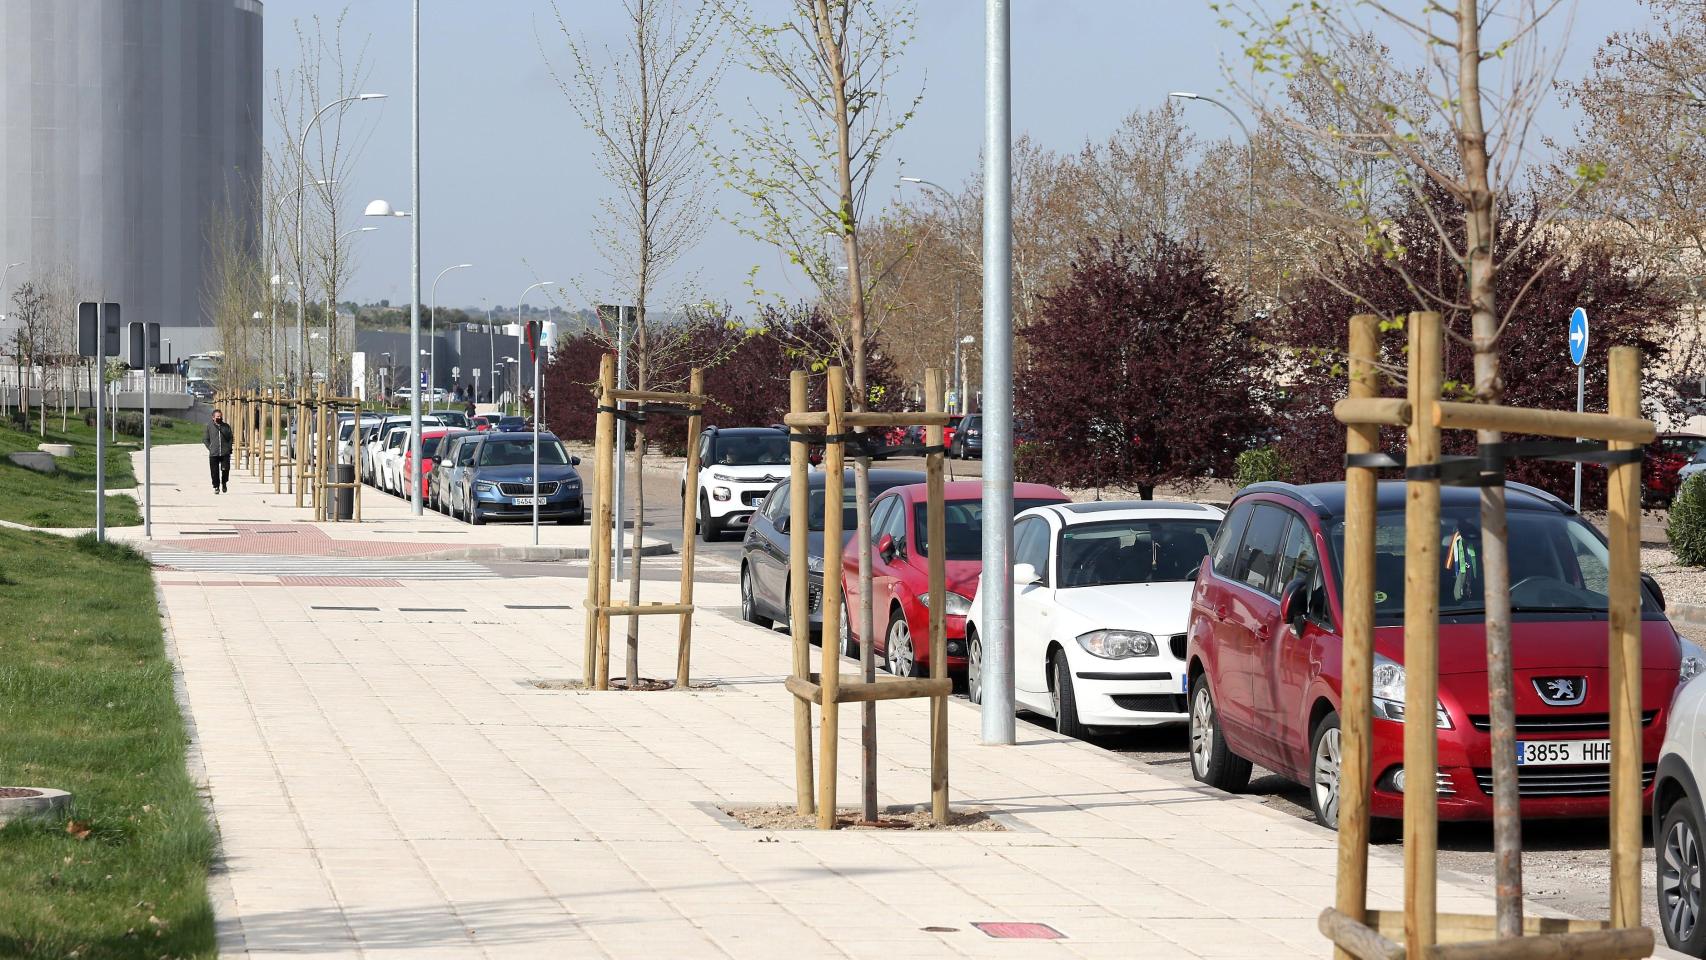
[[1118, 644], [1693, 661], [485, 486], [814, 564], [719, 493], [724, 477], [957, 606], [1389, 693]]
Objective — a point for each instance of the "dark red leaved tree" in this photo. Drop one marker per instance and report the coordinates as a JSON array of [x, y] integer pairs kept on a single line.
[[1140, 372], [1624, 307]]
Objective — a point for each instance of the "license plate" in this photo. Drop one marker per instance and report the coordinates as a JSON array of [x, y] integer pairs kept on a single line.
[[1546, 753], [528, 501]]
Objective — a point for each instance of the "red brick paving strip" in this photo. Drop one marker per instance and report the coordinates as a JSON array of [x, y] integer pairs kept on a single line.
[[306, 540], [288, 581]]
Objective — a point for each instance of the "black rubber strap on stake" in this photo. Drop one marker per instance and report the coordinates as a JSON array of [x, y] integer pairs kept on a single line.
[[1487, 467]]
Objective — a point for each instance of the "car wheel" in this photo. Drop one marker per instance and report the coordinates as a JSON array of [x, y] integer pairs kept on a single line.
[[1065, 699], [1324, 777], [974, 667], [849, 646], [709, 531], [749, 603], [1679, 879], [899, 655], [1211, 762]]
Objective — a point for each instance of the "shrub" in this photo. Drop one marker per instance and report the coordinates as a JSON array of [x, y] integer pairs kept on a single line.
[[1258, 466], [1687, 527]]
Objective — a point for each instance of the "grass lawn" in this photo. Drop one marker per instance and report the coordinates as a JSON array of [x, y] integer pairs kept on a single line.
[[67, 498], [86, 705]]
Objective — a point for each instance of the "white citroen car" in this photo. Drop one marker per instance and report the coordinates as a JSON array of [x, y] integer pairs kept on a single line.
[[1679, 817], [1101, 596], [738, 467]]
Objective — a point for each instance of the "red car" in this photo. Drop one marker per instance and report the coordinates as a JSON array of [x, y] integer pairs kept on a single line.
[[900, 571], [1264, 688], [482, 423], [1666, 455], [431, 440]]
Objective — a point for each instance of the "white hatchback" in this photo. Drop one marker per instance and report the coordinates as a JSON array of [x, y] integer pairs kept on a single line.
[[1101, 597], [1679, 811]]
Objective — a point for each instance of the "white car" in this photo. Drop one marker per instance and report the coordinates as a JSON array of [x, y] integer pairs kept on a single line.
[[1101, 598], [738, 467], [1679, 811], [1696, 464], [346, 435], [388, 457]]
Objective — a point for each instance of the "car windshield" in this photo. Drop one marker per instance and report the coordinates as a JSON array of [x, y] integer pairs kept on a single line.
[[758, 450], [1133, 551], [514, 453], [849, 508], [1700, 455], [964, 525], [452, 417], [1562, 566]]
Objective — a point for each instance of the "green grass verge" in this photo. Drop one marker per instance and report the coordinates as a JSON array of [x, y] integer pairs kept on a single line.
[[86, 705], [66, 498]]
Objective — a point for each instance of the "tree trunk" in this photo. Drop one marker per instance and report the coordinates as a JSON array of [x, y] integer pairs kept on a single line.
[[1480, 225], [639, 517], [832, 55], [1146, 491]]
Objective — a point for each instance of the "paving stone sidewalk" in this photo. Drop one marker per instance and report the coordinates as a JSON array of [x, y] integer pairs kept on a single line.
[[388, 782]]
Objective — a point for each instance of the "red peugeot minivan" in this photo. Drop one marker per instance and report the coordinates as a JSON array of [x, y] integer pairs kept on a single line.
[[1265, 689]]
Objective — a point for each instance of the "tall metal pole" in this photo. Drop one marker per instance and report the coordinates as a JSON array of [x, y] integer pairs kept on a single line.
[[147, 441], [618, 487], [998, 723], [536, 434], [415, 506], [100, 377], [432, 326], [1581, 395]]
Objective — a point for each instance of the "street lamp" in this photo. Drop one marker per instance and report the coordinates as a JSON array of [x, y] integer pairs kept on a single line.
[[7, 270], [301, 186], [332, 299], [948, 196], [1249, 190], [960, 365], [536, 418], [383, 208], [432, 320], [512, 365]]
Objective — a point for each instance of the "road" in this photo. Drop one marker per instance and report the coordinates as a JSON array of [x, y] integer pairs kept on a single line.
[[1565, 862]]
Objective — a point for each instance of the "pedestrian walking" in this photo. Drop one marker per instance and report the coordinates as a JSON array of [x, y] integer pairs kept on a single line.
[[469, 408], [217, 439]]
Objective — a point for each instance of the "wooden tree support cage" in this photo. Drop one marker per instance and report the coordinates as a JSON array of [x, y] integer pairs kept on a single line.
[[828, 688], [1419, 930], [327, 455], [600, 609]]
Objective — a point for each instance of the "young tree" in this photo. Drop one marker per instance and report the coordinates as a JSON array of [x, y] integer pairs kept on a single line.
[[30, 343], [1140, 373], [1427, 124], [641, 103], [808, 170]]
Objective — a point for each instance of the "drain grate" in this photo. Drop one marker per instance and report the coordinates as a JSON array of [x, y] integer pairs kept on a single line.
[[369, 609], [432, 609], [538, 606], [1020, 931]]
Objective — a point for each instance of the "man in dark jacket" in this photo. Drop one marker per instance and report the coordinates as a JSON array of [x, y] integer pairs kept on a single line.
[[217, 439]]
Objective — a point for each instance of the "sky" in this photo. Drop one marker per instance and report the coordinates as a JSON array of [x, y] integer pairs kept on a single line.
[[508, 181]]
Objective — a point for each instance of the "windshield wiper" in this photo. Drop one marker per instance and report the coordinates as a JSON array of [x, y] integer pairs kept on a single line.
[[1532, 608]]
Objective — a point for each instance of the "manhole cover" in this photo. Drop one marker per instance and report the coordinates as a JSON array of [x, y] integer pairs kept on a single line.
[[1020, 931]]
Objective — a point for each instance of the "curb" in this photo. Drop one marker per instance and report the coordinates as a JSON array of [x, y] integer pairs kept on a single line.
[[532, 554], [1691, 614]]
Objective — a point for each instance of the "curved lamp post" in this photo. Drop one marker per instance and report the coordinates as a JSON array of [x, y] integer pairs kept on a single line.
[[301, 186], [1249, 191], [432, 318], [536, 420]]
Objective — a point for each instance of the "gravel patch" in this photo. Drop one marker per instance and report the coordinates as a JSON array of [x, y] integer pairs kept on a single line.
[[784, 817]]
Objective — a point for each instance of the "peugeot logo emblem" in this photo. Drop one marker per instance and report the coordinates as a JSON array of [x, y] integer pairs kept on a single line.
[[1562, 691]]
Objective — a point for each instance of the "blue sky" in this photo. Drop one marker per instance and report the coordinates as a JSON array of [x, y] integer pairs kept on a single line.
[[508, 184]]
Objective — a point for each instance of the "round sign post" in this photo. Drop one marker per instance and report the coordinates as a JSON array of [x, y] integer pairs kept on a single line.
[[1579, 353]]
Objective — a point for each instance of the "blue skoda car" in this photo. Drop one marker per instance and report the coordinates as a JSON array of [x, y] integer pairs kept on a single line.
[[499, 485]]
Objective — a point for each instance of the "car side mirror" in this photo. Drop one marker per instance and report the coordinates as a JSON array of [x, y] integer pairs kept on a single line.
[[1653, 585], [782, 525], [886, 548], [1024, 574], [1294, 603], [574, 461]]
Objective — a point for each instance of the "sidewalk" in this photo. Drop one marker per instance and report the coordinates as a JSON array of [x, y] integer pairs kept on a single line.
[[388, 782], [254, 519]]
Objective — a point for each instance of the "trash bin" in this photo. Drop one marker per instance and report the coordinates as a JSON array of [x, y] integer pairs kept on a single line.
[[343, 498]]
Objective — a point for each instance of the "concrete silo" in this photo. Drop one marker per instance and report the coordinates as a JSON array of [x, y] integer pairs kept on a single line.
[[124, 126]]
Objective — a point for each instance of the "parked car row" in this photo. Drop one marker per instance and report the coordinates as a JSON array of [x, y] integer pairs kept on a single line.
[[476, 469], [1229, 622]]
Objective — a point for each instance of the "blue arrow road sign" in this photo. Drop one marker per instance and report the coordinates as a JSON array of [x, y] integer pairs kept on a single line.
[[1578, 336]]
